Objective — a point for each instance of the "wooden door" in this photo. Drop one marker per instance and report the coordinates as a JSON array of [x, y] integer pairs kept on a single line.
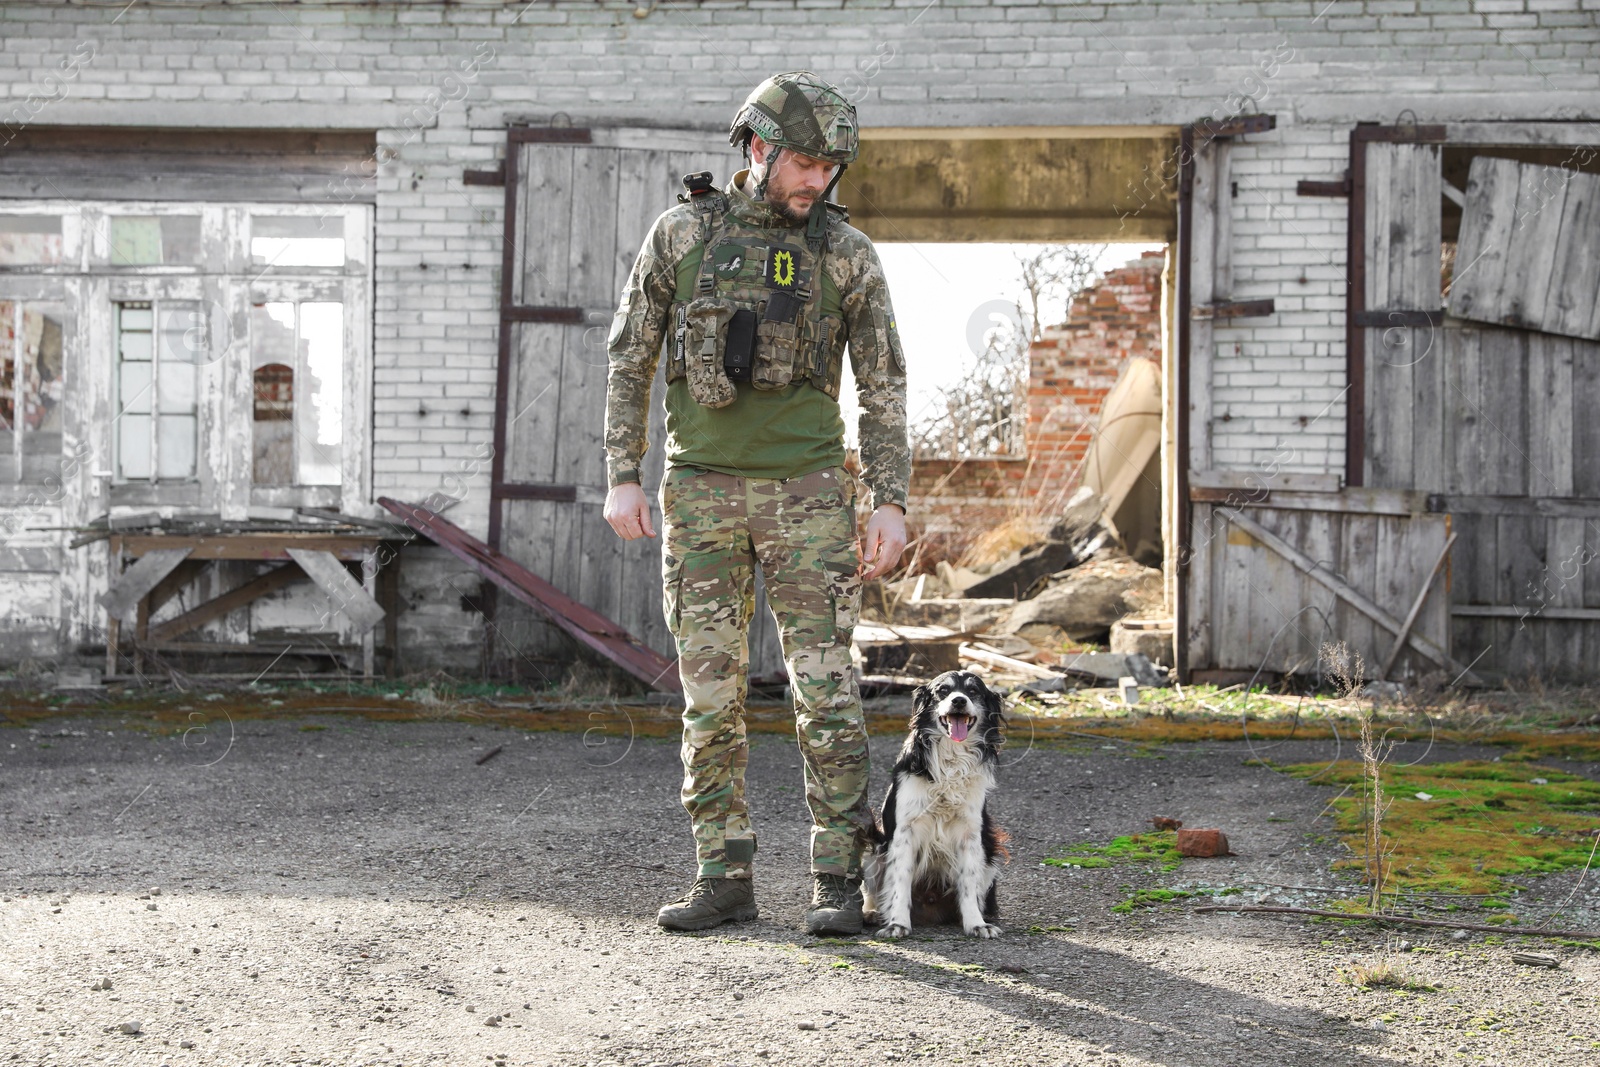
[[1494, 423], [579, 203]]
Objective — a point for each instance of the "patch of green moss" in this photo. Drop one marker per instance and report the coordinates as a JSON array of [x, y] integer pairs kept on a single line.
[[1483, 822], [1160, 847]]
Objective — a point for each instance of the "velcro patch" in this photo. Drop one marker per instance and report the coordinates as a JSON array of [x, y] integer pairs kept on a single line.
[[728, 260], [781, 273]]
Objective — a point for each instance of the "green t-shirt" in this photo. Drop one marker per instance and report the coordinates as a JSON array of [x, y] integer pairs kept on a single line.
[[777, 433]]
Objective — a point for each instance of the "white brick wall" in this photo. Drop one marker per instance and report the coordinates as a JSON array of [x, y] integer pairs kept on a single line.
[[953, 62]]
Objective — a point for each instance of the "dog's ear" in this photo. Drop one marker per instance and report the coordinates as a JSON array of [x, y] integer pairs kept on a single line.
[[921, 702]]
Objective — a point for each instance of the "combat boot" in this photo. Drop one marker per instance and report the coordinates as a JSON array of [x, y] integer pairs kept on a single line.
[[835, 905], [710, 902]]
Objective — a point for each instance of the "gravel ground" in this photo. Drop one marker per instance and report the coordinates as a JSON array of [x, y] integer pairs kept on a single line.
[[342, 891]]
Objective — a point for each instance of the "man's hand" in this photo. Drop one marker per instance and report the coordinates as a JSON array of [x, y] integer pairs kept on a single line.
[[885, 540], [628, 512]]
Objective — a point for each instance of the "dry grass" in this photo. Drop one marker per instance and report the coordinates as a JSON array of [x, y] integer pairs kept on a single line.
[[1016, 533], [1385, 975]]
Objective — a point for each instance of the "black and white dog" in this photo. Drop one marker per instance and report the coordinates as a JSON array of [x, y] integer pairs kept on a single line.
[[937, 851]]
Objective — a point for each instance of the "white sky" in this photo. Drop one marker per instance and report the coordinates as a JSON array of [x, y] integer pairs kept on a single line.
[[939, 293]]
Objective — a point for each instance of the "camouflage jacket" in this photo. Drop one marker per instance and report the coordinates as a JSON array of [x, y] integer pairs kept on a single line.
[[641, 323]]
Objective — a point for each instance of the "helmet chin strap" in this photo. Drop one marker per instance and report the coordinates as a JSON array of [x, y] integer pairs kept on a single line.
[[766, 171]]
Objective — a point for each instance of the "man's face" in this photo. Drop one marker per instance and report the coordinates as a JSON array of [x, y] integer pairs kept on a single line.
[[796, 183]]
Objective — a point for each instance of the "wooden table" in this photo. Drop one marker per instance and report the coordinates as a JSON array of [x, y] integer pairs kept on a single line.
[[148, 569]]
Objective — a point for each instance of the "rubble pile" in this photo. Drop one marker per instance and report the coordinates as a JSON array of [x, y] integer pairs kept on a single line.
[[1072, 610]]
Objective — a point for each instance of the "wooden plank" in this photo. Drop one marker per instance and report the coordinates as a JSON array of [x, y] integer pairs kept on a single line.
[[1524, 612], [1530, 257], [122, 600], [533, 407], [347, 594], [1571, 306], [228, 602], [1561, 592], [1485, 237], [1472, 581], [1550, 416], [1261, 480], [1430, 425], [1585, 426], [544, 216], [1356, 562], [1200, 598], [1502, 415], [580, 420], [253, 546], [1520, 569], [1202, 272], [1355, 500], [1344, 590], [1416, 608]]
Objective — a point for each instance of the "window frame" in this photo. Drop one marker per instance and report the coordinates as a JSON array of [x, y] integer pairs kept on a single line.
[[224, 281]]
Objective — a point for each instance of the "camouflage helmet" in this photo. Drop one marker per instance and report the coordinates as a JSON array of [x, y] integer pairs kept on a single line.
[[801, 112]]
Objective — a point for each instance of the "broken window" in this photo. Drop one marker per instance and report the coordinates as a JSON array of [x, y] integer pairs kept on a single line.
[[160, 347], [300, 346], [30, 240], [30, 387], [297, 240], [151, 240]]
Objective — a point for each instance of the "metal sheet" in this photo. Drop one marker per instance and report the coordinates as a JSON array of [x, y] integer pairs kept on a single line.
[[584, 624]]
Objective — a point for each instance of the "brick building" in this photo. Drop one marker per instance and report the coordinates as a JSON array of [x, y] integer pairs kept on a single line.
[[490, 166], [1071, 368]]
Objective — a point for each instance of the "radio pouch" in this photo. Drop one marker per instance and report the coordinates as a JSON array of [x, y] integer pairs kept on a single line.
[[738, 354]]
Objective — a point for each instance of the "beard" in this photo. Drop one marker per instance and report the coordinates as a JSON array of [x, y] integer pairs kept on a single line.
[[796, 206]]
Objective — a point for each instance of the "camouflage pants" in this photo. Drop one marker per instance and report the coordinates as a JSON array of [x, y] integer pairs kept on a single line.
[[802, 532]]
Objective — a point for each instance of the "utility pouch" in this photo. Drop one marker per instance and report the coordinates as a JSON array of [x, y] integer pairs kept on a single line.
[[705, 338], [827, 357], [739, 353]]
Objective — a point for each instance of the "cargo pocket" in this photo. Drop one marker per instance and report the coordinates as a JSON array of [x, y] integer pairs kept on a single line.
[[705, 335], [844, 590], [672, 592]]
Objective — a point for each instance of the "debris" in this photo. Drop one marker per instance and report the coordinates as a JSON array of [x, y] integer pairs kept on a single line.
[[1202, 844], [149, 907], [1013, 968], [100, 983], [1087, 600], [1162, 822], [1111, 668], [1535, 959], [1460, 935], [131, 1027], [979, 653], [1015, 578], [1151, 638], [1129, 689], [186, 1043], [807, 1024], [924, 650], [1424, 796], [489, 755]]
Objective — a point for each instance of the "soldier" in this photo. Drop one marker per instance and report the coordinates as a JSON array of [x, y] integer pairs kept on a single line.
[[756, 289]]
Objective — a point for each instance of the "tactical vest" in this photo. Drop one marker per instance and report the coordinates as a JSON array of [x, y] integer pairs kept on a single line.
[[756, 312]]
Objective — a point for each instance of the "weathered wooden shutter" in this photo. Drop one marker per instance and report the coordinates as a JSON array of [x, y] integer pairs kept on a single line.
[[579, 204], [1529, 254]]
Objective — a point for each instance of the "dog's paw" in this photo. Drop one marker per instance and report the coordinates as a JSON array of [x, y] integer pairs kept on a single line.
[[895, 930], [984, 930]]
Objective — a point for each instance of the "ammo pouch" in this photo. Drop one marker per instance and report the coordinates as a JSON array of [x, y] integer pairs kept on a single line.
[[699, 340]]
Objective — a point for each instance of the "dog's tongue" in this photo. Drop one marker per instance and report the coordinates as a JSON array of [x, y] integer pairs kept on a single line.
[[958, 729]]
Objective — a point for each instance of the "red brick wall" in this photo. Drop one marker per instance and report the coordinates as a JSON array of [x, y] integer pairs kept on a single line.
[[1070, 371]]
